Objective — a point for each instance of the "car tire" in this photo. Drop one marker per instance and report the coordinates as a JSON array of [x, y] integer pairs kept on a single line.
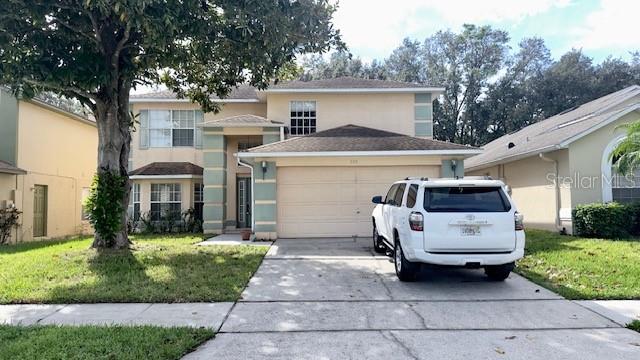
[[499, 272], [378, 245], [405, 269]]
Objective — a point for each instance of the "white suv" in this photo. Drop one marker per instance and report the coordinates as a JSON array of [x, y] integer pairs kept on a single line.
[[467, 222]]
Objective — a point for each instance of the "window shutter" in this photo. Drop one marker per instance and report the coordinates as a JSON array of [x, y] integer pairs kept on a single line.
[[199, 117], [144, 129]]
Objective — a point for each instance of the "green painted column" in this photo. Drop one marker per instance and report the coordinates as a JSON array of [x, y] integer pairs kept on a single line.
[[449, 170], [215, 181], [264, 197], [270, 135], [8, 126]]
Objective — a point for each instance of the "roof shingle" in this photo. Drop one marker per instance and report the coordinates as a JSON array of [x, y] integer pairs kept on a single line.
[[242, 92], [550, 133], [347, 82], [355, 138], [168, 168], [243, 120]]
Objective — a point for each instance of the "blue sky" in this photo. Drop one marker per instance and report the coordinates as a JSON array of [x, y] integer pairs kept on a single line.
[[373, 28]]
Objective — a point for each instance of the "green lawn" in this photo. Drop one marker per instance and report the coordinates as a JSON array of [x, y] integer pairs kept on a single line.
[[98, 342], [634, 325], [579, 268], [156, 269]]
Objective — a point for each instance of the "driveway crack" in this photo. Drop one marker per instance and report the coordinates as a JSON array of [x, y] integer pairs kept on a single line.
[[389, 335], [53, 313], [413, 310]]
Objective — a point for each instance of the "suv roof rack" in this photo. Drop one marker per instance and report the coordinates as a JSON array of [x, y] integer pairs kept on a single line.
[[423, 178]]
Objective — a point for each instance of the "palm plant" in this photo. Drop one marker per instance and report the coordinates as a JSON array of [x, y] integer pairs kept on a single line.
[[626, 155]]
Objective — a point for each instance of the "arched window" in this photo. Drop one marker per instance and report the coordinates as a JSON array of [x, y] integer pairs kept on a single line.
[[616, 187]]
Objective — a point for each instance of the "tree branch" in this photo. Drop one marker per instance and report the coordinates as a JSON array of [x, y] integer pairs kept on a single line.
[[71, 89], [74, 29]]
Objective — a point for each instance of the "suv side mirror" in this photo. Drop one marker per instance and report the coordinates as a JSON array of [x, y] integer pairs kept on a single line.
[[377, 200]]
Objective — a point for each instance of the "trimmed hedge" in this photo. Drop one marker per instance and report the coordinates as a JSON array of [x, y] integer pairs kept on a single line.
[[608, 221]]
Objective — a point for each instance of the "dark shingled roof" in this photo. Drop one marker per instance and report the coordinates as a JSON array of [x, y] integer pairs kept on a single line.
[[356, 138], [347, 82], [242, 92], [6, 168], [168, 168], [551, 133], [243, 120]]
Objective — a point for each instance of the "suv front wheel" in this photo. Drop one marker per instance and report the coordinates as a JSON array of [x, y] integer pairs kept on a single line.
[[499, 272], [405, 269], [378, 244]]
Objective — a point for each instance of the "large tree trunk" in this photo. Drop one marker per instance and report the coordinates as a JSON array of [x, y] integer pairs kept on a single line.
[[114, 134]]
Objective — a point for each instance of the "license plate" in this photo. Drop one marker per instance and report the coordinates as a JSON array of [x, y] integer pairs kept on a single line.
[[470, 230]]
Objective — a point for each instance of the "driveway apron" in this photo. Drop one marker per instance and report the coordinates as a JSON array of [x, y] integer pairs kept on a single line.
[[336, 299]]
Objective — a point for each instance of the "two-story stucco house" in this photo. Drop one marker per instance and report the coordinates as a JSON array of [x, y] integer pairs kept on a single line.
[[47, 160], [300, 159]]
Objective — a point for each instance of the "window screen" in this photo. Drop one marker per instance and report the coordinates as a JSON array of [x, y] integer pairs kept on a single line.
[[465, 199]]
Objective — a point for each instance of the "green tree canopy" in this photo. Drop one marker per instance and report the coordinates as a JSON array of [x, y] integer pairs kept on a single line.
[[96, 50]]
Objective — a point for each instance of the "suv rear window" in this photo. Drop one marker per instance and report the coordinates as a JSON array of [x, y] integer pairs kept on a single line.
[[465, 199]]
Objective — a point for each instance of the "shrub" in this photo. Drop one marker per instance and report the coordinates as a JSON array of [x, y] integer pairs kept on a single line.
[[104, 204], [609, 221], [8, 220]]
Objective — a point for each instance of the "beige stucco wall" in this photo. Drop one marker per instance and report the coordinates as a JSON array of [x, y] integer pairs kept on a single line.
[[531, 181], [189, 154], [391, 112], [60, 152], [586, 159]]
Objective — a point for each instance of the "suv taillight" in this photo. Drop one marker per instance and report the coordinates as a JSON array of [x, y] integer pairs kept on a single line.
[[519, 221], [415, 221]]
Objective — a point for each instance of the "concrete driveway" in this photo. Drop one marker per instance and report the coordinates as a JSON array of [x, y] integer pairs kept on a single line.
[[335, 299]]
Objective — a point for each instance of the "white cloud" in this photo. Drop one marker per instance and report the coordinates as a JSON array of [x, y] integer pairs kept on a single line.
[[613, 25], [375, 27]]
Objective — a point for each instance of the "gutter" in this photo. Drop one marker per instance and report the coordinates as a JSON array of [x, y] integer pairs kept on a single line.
[[253, 220], [359, 153], [557, 190]]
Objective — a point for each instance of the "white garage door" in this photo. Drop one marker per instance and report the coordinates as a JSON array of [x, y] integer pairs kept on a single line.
[[334, 201]]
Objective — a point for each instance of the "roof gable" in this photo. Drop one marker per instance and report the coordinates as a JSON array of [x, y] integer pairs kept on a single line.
[[353, 138], [168, 169]]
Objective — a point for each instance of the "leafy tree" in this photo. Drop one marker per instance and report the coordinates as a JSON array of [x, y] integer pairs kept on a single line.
[[340, 63], [96, 50], [406, 63], [463, 63], [626, 156]]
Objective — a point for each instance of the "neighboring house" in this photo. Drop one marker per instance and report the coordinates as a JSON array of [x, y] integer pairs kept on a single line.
[[47, 160], [300, 159], [574, 147]]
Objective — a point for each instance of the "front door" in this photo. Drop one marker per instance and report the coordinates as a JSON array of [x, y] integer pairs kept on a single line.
[[244, 202], [40, 211]]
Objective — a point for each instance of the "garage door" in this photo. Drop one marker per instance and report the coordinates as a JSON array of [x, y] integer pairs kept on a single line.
[[334, 201]]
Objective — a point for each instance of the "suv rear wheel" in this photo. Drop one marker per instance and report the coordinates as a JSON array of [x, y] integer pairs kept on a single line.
[[378, 244], [499, 272], [405, 269]]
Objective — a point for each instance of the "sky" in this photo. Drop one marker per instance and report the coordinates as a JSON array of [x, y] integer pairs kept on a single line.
[[373, 28]]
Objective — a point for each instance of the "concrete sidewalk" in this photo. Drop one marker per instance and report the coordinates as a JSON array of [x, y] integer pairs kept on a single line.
[[621, 311], [210, 315]]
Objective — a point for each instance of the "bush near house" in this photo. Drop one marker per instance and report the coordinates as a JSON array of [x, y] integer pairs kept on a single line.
[[608, 221]]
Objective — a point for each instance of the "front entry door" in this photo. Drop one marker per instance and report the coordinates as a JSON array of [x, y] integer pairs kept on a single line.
[[244, 202], [40, 211]]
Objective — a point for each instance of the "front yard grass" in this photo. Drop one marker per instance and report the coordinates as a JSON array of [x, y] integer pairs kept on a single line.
[[98, 342], [579, 268], [634, 325], [156, 269]]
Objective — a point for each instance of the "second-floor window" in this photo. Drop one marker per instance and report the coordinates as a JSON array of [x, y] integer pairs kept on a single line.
[[303, 117], [172, 128]]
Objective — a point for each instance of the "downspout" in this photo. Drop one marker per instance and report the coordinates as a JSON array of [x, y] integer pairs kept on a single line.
[[253, 219], [556, 188], [281, 133]]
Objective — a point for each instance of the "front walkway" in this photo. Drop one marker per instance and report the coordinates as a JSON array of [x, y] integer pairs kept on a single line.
[[334, 299]]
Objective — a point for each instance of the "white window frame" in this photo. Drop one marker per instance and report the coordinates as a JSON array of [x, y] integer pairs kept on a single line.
[[176, 189], [314, 118], [173, 127], [135, 200]]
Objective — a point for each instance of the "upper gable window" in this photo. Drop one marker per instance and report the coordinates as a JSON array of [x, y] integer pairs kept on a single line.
[[172, 128], [303, 117]]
